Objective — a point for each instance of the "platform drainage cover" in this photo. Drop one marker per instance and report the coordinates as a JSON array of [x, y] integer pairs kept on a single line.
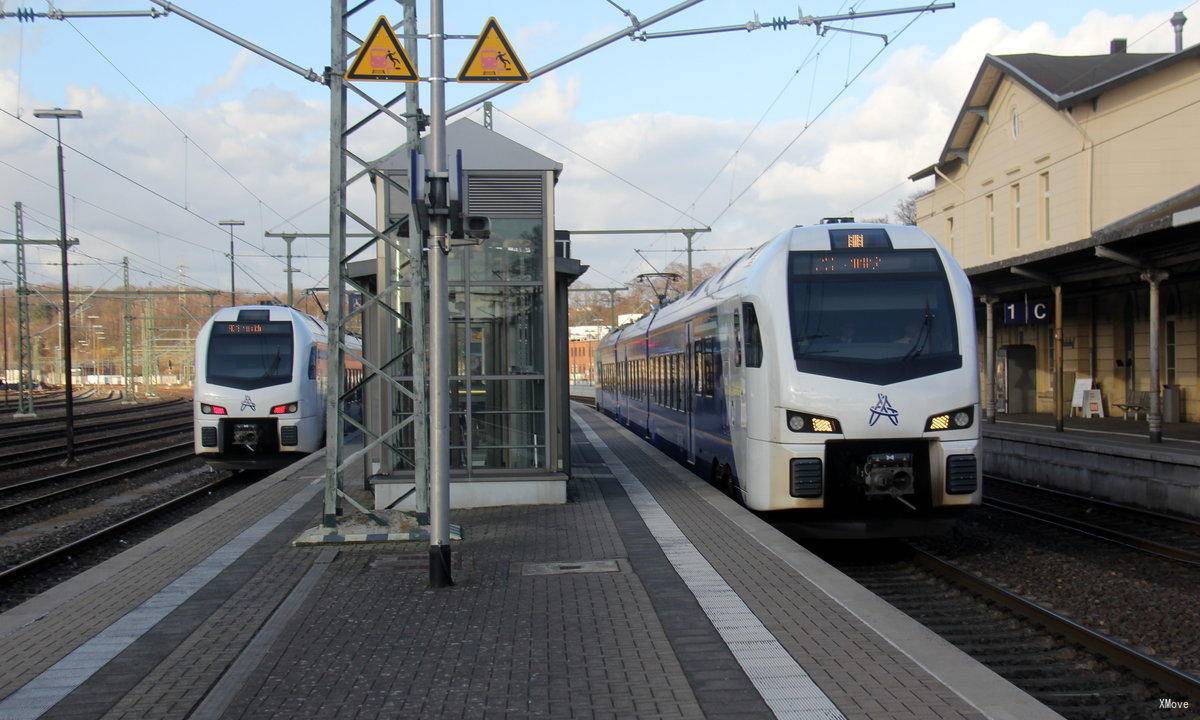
[[571, 568]]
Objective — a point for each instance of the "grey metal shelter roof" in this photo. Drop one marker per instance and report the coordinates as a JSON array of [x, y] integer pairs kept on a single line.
[[483, 149]]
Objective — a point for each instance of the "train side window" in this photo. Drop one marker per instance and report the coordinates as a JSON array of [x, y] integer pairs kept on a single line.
[[676, 380], [312, 363], [659, 385], [737, 339], [681, 379], [754, 349]]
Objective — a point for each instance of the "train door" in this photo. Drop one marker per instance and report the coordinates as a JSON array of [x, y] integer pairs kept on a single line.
[[689, 397], [734, 385]]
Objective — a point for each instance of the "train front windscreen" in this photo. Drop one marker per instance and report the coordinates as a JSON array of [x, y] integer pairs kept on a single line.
[[250, 355], [872, 315]]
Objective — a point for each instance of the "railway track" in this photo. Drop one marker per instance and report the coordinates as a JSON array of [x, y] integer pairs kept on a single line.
[[105, 426], [1079, 672], [112, 472], [1157, 534], [53, 421], [68, 551], [33, 456], [59, 403]]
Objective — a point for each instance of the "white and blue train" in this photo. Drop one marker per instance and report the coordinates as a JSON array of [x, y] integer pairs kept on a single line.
[[260, 386], [831, 372]]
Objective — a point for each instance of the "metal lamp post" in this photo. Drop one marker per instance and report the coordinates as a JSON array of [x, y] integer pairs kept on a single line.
[[59, 114], [231, 224]]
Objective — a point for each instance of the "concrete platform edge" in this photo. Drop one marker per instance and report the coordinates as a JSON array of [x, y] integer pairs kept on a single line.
[[980, 687]]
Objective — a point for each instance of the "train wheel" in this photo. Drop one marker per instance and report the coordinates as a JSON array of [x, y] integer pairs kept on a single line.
[[714, 474]]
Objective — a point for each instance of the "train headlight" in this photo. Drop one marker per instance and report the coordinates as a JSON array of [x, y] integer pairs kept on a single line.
[[212, 409], [285, 409], [954, 420], [803, 422]]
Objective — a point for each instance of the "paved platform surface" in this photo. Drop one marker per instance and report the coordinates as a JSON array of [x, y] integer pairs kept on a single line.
[[1181, 437], [649, 594]]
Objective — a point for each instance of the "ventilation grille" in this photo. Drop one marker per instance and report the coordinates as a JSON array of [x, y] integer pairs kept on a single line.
[[505, 196], [208, 437], [807, 478], [961, 477], [288, 435]]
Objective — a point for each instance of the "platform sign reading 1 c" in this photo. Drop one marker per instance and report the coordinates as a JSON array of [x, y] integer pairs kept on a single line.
[[382, 57], [493, 59]]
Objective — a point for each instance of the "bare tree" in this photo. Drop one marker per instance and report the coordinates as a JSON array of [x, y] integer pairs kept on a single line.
[[906, 210]]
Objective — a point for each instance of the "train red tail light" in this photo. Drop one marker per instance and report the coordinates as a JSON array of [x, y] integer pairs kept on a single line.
[[285, 409], [212, 409]]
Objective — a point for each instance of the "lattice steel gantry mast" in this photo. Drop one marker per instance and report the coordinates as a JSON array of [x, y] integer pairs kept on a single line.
[[24, 339], [127, 334], [388, 285]]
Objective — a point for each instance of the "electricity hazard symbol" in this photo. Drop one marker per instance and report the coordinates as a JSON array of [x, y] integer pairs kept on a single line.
[[382, 57], [492, 59]]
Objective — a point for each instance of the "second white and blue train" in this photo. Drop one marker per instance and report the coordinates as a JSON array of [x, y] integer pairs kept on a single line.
[[260, 386], [830, 372]]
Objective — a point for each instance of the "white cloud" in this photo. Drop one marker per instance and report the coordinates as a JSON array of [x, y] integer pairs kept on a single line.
[[227, 79]]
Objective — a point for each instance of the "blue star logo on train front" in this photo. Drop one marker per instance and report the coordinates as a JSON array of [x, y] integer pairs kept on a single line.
[[883, 408]]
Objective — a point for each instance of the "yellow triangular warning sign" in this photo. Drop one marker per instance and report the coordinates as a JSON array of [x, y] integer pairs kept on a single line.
[[493, 59], [382, 57]]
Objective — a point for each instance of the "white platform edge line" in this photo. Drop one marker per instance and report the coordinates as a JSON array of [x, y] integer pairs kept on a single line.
[[35, 697], [995, 697], [799, 696]]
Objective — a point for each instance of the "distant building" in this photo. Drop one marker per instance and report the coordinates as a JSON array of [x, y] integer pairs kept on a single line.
[[581, 352], [588, 332], [1080, 172]]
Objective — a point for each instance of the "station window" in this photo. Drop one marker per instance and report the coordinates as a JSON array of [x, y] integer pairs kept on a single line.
[[1044, 206], [754, 349], [1015, 194], [989, 220]]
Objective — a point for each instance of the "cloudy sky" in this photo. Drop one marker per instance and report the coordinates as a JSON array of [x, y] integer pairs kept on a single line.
[[748, 132]]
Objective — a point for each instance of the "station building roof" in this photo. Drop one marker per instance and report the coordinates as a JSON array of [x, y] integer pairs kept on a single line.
[[1061, 81]]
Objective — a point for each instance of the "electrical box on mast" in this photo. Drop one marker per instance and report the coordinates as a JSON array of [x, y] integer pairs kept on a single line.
[[463, 226]]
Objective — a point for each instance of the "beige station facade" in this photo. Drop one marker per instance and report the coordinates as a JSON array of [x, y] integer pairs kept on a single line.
[[1082, 174]]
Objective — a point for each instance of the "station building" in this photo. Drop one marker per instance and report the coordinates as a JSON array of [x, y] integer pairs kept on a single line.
[[1081, 173]]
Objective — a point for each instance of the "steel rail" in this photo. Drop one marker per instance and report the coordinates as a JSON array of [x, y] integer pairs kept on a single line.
[[24, 568], [1181, 523], [177, 453], [1135, 542], [1152, 669], [96, 427], [24, 458], [34, 422]]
